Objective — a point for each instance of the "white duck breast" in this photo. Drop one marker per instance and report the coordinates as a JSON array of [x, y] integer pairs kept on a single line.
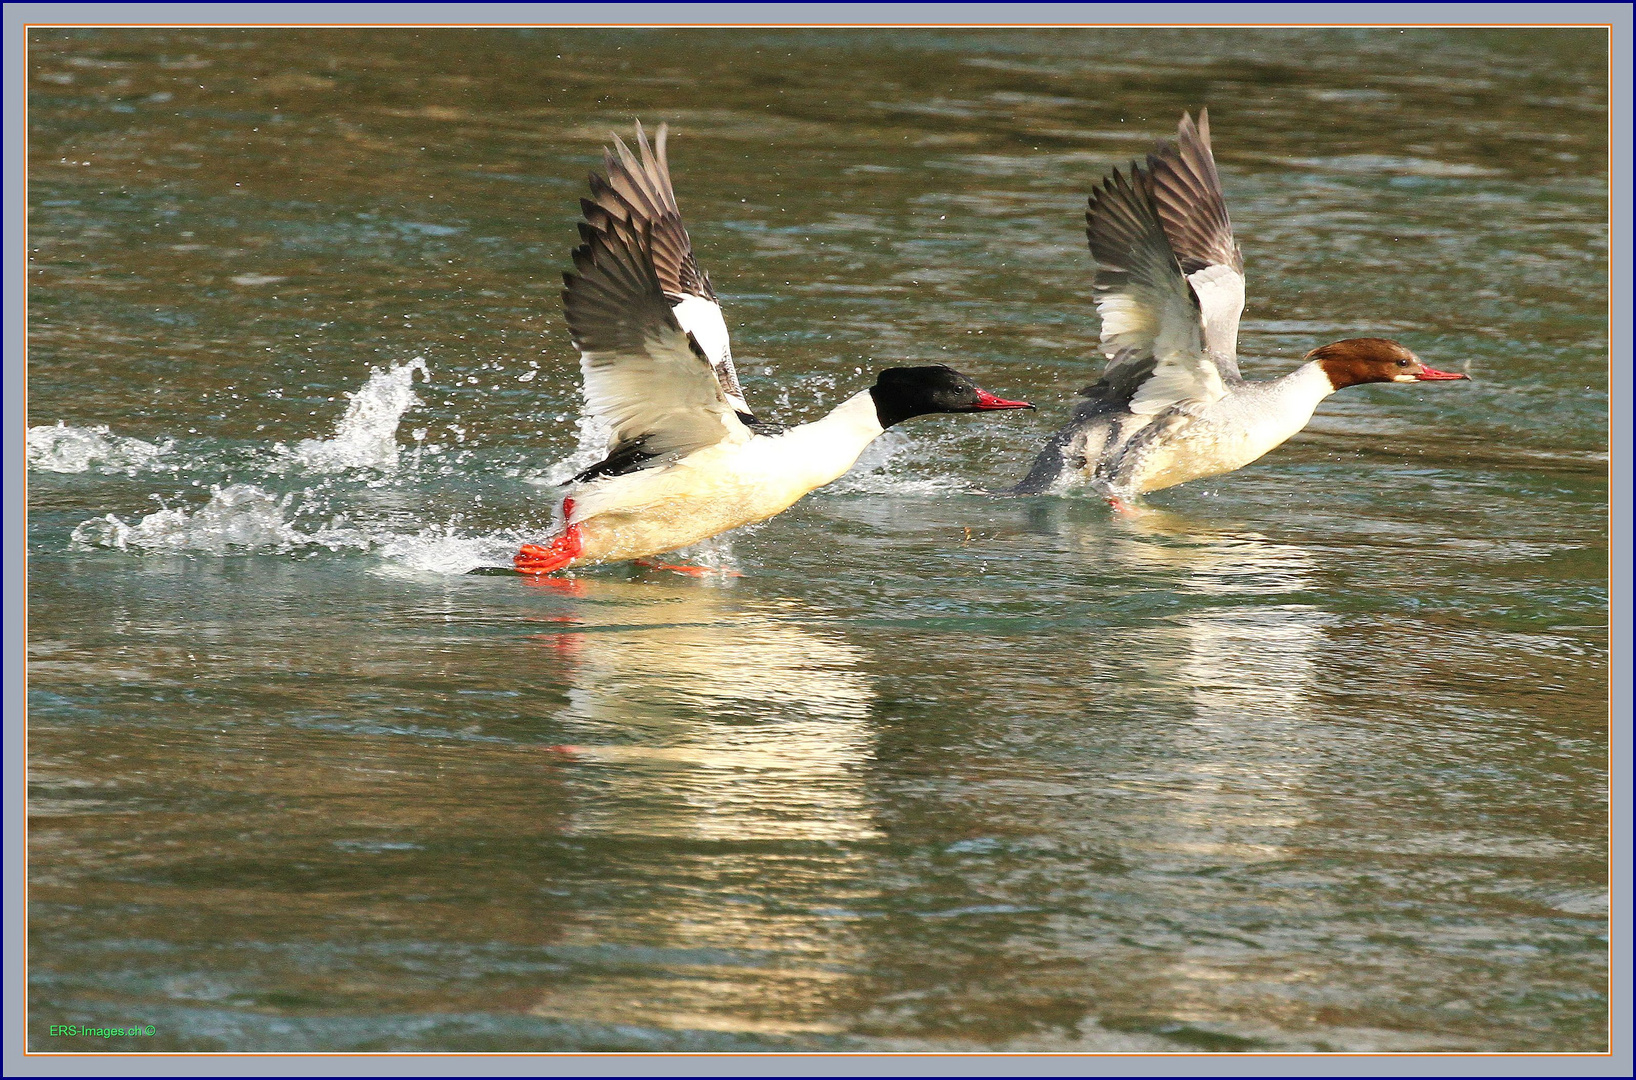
[[720, 487], [1230, 433], [1171, 406]]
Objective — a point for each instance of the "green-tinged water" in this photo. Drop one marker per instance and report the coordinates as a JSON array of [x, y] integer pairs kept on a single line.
[[1313, 756]]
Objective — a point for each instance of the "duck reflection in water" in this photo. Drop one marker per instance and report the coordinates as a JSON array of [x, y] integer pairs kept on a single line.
[[724, 738], [713, 716], [1238, 658]]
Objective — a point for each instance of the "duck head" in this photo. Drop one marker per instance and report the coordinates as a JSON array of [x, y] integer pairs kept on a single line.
[[1369, 359], [904, 392]]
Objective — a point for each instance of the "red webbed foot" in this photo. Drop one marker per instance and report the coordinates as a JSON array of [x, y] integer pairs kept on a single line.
[[694, 571], [1120, 506], [564, 548]]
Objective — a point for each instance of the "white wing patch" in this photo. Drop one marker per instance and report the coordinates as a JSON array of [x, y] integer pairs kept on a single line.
[[662, 393], [1166, 323], [1127, 322], [1185, 373], [1220, 290], [1178, 384], [702, 318]]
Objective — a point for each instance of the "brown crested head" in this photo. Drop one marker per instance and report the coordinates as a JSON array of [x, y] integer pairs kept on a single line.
[[1372, 359]]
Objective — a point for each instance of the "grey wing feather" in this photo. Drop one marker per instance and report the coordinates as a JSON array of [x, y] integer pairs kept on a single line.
[[1187, 195], [1152, 332], [613, 299], [637, 191], [1192, 210], [644, 374]]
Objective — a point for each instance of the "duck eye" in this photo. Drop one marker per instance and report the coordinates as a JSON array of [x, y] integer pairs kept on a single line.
[[1402, 363]]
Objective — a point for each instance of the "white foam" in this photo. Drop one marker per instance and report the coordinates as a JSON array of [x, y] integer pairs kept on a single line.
[[367, 435], [243, 519], [442, 550], [238, 518], [59, 448]]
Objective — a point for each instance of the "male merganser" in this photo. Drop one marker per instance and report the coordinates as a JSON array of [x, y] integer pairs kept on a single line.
[[688, 459], [1171, 406]]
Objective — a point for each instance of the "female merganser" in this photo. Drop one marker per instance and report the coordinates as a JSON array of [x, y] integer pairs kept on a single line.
[[1171, 406], [688, 459]]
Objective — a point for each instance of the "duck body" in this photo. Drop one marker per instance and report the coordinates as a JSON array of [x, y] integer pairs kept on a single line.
[[717, 489], [1171, 405], [1124, 454]]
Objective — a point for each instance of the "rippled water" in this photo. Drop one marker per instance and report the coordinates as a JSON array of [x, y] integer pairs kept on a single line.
[[1312, 757]]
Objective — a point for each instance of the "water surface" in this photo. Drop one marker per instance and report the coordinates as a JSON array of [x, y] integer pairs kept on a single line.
[[1311, 757]]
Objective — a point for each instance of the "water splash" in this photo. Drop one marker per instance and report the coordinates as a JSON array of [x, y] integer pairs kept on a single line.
[[365, 438], [714, 555], [243, 519], [884, 469], [250, 511], [367, 435], [238, 518], [62, 449], [446, 550], [595, 435]]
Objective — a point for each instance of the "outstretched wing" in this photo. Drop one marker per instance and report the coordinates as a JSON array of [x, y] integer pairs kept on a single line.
[[645, 375], [1187, 196], [1162, 327], [637, 192]]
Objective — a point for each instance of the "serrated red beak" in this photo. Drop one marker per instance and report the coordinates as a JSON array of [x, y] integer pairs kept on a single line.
[[987, 401], [1426, 374]]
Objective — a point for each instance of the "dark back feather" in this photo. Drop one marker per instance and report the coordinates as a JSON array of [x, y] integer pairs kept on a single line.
[[637, 189], [1187, 196], [613, 294]]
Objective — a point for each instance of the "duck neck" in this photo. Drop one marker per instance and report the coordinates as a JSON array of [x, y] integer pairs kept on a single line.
[[1281, 407], [825, 449], [1309, 382]]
